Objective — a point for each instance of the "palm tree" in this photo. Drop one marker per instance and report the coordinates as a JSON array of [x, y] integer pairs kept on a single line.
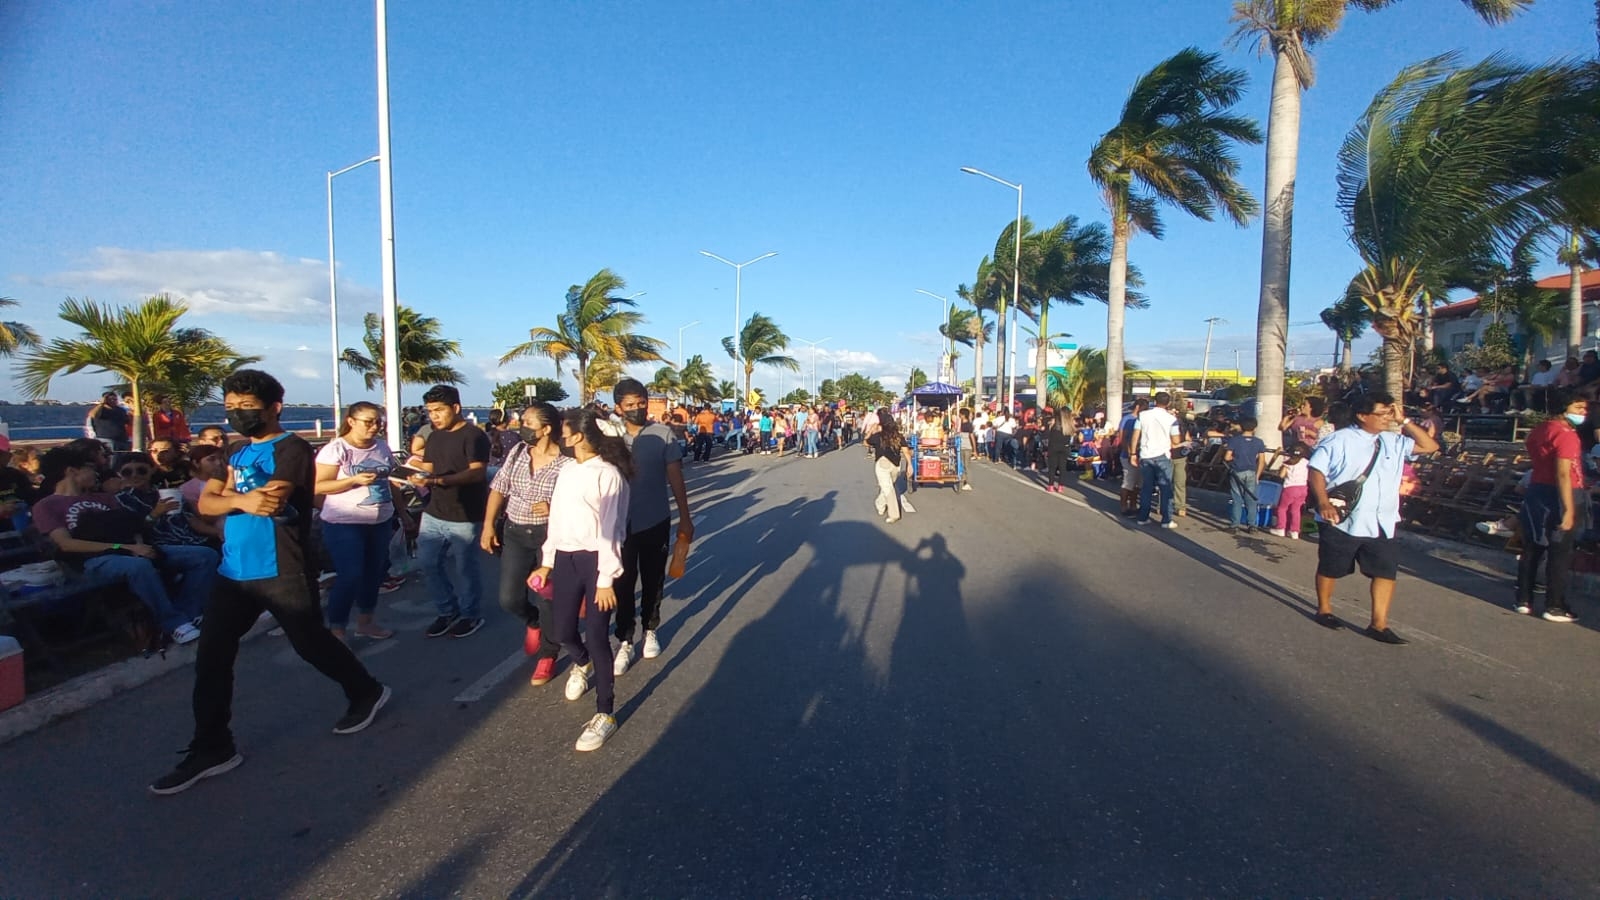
[[1067, 263], [424, 355], [15, 335], [140, 344], [1347, 319], [1448, 168], [602, 375], [727, 390], [697, 381], [1172, 144], [665, 382], [593, 326], [981, 295], [196, 379], [916, 379], [761, 342], [1288, 29], [1085, 380]]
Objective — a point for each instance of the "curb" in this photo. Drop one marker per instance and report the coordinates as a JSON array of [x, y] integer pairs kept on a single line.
[[91, 688]]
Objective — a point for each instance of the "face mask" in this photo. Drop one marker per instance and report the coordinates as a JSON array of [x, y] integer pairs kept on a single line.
[[637, 416], [528, 435], [568, 451], [1576, 418], [248, 422]]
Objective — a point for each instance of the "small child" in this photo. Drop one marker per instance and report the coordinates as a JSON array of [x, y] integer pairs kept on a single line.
[[1296, 469]]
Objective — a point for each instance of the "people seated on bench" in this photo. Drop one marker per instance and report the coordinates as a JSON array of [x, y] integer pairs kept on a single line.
[[170, 522], [94, 531], [16, 489], [1531, 396], [1589, 368], [1445, 388]]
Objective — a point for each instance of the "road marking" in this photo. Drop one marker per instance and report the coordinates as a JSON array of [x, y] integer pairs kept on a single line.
[[480, 688], [1075, 501]]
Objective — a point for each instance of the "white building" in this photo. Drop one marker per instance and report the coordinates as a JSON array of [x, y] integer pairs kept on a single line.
[[1459, 325]]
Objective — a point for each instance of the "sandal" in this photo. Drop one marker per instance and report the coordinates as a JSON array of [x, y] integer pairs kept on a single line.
[[374, 632]]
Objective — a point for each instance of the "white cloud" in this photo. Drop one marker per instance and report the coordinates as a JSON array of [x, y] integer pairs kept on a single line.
[[306, 372], [259, 285], [303, 349]]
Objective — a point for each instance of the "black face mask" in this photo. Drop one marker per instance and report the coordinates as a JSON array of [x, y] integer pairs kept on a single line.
[[568, 451], [637, 416], [248, 422], [528, 435]]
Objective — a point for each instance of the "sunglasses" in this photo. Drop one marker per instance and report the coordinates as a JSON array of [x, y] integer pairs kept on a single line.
[[136, 470]]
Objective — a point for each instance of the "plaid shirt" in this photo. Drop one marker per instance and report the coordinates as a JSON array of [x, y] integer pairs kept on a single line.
[[522, 488]]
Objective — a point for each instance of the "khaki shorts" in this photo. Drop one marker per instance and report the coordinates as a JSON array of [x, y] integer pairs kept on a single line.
[[1130, 475]]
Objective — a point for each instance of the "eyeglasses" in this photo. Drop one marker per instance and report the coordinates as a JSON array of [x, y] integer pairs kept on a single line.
[[370, 423], [135, 471]]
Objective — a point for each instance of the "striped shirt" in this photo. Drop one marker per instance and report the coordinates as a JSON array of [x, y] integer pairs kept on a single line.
[[523, 488]]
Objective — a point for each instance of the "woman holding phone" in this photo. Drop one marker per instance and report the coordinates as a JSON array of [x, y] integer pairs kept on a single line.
[[353, 472], [521, 492], [582, 555]]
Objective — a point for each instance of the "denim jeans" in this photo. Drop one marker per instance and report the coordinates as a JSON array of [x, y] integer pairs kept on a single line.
[[811, 441], [1155, 475], [360, 556], [1244, 511], [445, 546], [959, 442], [736, 440], [195, 567], [520, 549]]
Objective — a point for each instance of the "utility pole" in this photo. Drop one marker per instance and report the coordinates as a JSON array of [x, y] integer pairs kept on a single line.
[[1205, 361]]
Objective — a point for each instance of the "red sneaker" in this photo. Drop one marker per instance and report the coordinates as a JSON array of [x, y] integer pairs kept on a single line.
[[530, 641], [543, 671]]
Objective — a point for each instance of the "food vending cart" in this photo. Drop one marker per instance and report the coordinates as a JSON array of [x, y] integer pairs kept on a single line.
[[934, 462]]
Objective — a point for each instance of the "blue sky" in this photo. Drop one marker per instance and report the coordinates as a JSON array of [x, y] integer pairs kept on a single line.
[[181, 146]]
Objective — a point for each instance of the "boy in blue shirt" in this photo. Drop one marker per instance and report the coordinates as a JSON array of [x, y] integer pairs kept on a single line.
[[265, 500]]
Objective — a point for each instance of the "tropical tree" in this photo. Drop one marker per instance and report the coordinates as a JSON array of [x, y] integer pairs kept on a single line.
[[1347, 319], [601, 375], [729, 391], [424, 354], [665, 382], [514, 394], [196, 378], [828, 390], [916, 379], [982, 296], [1448, 168], [1067, 263], [15, 335], [1084, 382], [859, 390], [141, 344], [596, 324], [797, 396], [761, 342], [1173, 144], [1288, 29], [696, 380]]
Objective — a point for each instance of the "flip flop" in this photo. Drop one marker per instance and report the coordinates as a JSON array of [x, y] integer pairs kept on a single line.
[[375, 634]]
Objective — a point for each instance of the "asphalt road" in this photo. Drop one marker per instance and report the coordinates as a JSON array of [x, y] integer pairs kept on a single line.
[[1007, 693]]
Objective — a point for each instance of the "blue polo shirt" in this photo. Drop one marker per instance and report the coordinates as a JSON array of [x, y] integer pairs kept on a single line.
[[258, 547], [1344, 455]]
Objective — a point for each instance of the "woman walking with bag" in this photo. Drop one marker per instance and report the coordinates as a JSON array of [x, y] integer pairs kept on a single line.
[[357, 518], [888, 458], [522, 490], [583, 556]]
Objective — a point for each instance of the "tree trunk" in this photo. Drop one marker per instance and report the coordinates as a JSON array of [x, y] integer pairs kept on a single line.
[[1041, 371], [1344, 359], [1427, 326], [1000, 351], [1272, 312], [138, 413], [1117, 299], [977, 364], [1575, 309], [1396, 350], [749, 373]]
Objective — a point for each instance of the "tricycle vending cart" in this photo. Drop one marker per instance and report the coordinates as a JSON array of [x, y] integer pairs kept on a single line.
[[935, 460]]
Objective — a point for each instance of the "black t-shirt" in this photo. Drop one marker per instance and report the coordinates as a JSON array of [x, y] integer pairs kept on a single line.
[[1445, 380], [1588, 372], [878, 444], [110, 423], [451, 452], [15, 485]]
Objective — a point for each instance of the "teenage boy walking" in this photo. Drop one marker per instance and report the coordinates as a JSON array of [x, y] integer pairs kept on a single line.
[[265, 505], [456, 456], [657, 468]]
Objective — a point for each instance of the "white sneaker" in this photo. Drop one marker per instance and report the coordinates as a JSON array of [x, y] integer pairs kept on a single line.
[[578, 681], [1279, 532], [185, 634], [595, 733], [624, 659], [1294, 535], [652, 646]]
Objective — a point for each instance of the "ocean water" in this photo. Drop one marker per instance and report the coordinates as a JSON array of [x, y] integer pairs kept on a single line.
[[50, 423]]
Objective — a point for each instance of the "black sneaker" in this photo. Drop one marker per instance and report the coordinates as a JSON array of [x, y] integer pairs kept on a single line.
[[195, 766], [440, 627], [362, 712], [1386, 636], [466, 627]]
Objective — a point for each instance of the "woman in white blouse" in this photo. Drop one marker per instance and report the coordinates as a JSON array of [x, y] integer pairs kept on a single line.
[[582, 555]]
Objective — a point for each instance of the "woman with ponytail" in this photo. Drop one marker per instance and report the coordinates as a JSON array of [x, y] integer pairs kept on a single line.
[[889, 457], [582, 556]]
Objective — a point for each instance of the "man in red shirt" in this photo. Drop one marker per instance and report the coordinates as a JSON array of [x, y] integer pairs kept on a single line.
[[1555, 509]]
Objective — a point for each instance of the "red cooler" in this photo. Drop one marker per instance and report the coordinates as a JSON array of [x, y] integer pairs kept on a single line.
[[930, 467], [11, 689]]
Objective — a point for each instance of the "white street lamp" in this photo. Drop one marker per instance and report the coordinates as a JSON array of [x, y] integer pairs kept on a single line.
[[681, 329], [949, 342], [738, 275], [391, 314], [333, 291], [814, 362], [1016, 285]]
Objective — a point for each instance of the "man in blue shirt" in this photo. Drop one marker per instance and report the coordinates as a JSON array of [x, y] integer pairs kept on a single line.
[[1363, 534], [266, 504]]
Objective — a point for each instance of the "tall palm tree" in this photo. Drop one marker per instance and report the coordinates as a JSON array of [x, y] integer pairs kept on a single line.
[[196, 379], [665, 382], [1288, 29], [15, 335], [1085, 380], [982, 296], [761, 342], [727, 390], [596, 324], [916, 379], [424, 355], [1174, 143], [697, 381], [1347, 319], [1068, 263], [1448, 168], [141, 344]]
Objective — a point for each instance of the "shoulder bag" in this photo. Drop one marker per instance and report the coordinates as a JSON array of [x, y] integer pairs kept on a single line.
[[1346, 495]]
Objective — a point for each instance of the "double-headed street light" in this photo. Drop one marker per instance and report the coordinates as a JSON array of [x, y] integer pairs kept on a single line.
[[1016, 289], [814, 362], [949, 341], [333, 291], [738, 274]]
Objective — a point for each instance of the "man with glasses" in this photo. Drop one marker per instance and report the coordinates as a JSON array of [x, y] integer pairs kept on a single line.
[[1371, 458], [657, 467]]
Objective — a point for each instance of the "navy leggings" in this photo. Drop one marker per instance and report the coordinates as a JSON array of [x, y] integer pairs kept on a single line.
[[573, 577]]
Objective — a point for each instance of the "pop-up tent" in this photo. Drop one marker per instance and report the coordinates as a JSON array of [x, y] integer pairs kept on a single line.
[[936, 394]]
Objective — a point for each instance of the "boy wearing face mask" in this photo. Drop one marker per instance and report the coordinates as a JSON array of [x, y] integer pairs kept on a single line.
[[265, 502]]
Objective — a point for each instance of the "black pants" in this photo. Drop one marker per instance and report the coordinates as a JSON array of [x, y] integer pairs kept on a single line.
[[1545, 503], [234, 607], [1056, 463], [519, 556], [702, 446], [573, 578], [644, 557]]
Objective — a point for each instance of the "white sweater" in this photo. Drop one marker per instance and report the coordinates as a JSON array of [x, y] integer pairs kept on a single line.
[[589, 511]]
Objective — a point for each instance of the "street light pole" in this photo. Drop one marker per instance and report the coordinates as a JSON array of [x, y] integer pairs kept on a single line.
[[1016, 286], [333, 291], [391, 323], [680, 341], [949, 341], [814, 362], [1205, 361], [738, 278]]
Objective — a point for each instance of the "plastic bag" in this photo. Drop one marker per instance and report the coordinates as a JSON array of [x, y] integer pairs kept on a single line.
[[401, 562]]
